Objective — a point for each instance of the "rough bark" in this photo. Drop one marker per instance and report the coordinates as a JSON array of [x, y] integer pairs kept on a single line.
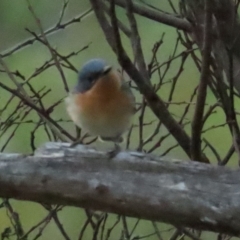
[[178, 192]]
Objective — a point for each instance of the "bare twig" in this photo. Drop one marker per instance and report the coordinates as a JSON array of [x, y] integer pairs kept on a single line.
[[161, 17], [56, 61], [54, 29], [136, 41], [197, 123]]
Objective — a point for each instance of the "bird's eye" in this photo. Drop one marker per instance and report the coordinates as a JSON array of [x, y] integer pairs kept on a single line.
[[92, 79]]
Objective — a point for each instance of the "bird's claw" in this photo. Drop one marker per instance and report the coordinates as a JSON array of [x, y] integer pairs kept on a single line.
[[113, 153]]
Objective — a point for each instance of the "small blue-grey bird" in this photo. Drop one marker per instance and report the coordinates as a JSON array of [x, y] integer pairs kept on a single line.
[[102, 102]]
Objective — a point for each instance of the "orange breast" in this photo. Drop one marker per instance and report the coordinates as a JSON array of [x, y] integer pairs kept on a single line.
[[105, 99], [105, 109]]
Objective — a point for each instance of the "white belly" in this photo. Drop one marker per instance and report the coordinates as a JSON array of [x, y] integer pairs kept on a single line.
[[103, 125]]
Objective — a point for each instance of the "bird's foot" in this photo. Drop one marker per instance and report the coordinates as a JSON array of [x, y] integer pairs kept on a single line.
[[113, 153]]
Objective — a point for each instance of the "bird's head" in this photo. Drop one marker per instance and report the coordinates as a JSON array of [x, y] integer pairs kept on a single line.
[[90, 73]]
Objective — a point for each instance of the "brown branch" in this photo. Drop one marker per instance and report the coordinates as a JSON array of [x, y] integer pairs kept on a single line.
[[46, 42], [14, 218], [121, 25], [58, 130], [197, 123], [182, 193], [161, 17], [136, 41], [231, 114], [51, 30]]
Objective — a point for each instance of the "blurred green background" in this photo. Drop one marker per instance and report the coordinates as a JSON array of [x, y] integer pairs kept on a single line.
[[15, 18]]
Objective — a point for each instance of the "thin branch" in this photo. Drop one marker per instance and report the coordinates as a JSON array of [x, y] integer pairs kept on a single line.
[[53, 124], [54, 56], [197, 122], [52, 30], [161, 17], [136, 41]]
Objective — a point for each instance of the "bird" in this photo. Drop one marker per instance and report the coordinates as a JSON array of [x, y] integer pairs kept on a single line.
[[102, 103]]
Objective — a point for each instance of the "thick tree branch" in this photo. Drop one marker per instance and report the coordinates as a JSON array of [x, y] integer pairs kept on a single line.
[[134, 184]]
